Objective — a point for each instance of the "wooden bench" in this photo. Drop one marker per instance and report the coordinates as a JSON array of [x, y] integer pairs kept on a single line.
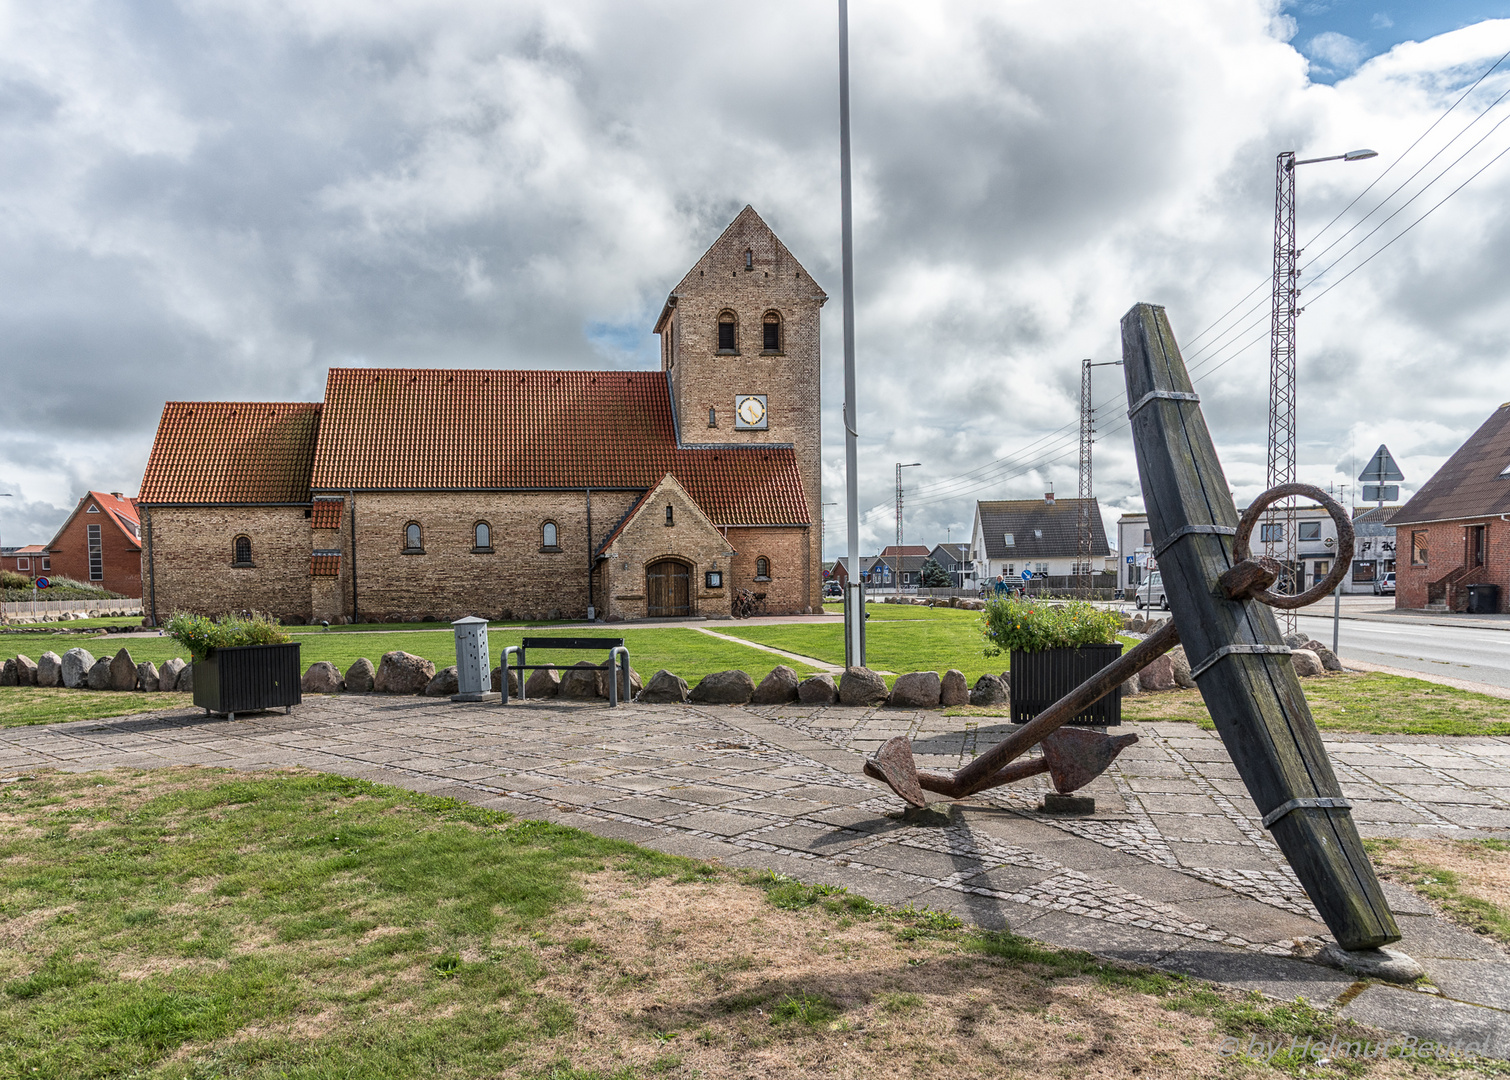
[[615, 647]]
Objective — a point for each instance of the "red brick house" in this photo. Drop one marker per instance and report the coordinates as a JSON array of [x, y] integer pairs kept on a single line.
[[1455, 531], [31, 561], [413, 493], [100, 544]]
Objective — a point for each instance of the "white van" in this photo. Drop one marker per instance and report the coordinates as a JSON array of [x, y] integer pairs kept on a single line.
[[1151, 592]]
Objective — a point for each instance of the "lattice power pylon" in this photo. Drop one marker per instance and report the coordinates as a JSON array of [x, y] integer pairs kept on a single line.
[[1282, 442], [1087, 439]]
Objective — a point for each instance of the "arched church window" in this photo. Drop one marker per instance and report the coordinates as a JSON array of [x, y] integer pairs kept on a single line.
[[241, 551], [413, 537], [727, 330], [548, 535], [762, 568], [772, 330], [482, 537]]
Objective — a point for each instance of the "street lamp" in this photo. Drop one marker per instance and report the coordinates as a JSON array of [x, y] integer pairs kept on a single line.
[[1282, 392], [898, 568]]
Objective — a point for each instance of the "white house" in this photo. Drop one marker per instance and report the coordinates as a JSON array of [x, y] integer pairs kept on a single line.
[[1039, 535]]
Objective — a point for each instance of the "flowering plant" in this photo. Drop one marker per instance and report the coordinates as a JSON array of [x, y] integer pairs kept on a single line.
[[1031, 625], [202, 635]]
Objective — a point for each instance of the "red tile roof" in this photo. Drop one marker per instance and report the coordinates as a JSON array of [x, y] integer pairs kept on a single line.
[[408, 429], [232, 452], [326, 514], [325, 564]]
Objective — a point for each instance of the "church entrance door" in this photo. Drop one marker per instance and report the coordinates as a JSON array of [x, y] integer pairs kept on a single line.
[[668, 589]]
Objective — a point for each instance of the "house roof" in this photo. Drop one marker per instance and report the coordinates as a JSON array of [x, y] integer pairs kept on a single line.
[[439, 429], [238, 452], [118, 510], [1474, 482], [1039, 529], [957, 552], [1374, 521], [906, 549]]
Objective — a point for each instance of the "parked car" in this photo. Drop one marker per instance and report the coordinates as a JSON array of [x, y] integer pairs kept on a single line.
[[1151, 592], [1385, 585], [832, 590]]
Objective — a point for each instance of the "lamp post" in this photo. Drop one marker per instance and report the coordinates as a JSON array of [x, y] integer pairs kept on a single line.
[[900, 467], [1282, 394], [854, 589]]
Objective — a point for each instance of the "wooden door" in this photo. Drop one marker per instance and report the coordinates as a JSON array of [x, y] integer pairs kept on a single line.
[[668, 589]]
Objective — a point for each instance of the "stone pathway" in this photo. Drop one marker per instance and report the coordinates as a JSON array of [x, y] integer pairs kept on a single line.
[[1173, 870]]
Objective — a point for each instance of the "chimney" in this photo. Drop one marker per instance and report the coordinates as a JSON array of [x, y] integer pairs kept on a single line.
[[117, 494], [1048, 498]]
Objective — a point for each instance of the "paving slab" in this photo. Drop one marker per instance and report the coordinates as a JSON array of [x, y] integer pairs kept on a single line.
[[1427, 1017], [1173, 868]]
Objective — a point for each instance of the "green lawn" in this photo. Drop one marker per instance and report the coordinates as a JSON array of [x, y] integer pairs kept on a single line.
[[1366, 702], [21, 706]]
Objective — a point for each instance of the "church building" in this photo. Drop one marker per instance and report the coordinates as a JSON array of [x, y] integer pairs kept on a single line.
[[412, 493]]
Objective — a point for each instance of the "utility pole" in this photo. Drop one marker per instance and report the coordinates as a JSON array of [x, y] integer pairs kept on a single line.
[[854, 589], [1284, 311], [1086, 501], [898, 567]]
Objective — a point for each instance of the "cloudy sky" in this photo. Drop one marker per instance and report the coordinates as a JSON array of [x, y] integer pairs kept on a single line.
[[201, 199]]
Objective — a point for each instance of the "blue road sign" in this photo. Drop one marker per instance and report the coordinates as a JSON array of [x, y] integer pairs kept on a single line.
[[42, 583], [1027, 575]]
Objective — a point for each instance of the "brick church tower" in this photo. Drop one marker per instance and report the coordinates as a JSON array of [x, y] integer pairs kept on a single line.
[[739, 340]]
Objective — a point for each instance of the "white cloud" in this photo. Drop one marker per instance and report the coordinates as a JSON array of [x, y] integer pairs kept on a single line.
[[222, 200]]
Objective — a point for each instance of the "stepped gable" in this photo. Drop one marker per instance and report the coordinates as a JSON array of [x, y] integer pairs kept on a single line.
[[455, 430], [232, 452]]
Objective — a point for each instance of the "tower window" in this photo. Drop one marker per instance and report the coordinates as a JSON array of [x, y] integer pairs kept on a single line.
[[749, 259], [727, 343], [712, 417], [548, 536], [670, 515], [772, 342], [413, 539]]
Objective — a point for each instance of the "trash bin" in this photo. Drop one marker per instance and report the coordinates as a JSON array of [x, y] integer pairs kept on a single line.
[[1483, 599]]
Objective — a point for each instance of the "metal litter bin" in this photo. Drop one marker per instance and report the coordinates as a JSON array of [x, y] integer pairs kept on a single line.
[[1483, 599]]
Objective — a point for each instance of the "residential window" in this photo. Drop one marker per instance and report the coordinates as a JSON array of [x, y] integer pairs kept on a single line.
[[1009, 540], [1272, 534], [727, 341], [1310, 530], [1418, 548], [23, 564], [46, 564], [414, 538], [482, 537], [1041, 569], [1010, 570], [762, 569], [1148, 538], [96, 555], [548, 536], [772, 331]]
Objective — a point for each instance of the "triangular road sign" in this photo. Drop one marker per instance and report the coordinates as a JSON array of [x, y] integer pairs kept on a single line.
[[1381, 468]]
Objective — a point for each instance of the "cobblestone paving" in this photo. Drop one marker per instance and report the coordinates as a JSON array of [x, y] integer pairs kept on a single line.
[[1173, 870]]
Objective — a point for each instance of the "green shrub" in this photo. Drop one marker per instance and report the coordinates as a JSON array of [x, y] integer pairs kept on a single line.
[[202, 635], [1031, 625], [17, 588]]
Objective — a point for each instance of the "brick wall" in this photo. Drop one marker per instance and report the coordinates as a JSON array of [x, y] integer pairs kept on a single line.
[[192, 550], [646, 539], [449, 579], [122, 557], [1446, 551], [704, 379], [792, 563]]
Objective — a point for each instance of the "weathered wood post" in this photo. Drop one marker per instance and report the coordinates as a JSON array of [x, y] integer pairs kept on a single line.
[[1236, 653]]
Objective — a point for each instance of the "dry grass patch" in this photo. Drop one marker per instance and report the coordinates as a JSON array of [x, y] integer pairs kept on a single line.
[[1469, 880]]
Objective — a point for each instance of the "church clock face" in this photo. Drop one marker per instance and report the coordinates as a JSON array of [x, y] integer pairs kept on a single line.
[[750, 412]]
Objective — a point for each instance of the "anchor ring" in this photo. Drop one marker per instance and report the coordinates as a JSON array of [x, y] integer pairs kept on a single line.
[[1342, 557]]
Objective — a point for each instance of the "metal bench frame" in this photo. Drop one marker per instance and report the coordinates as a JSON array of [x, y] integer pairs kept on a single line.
[[616, 650]]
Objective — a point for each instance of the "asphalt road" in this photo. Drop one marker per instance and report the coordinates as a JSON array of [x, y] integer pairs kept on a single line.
[[1480, 655]]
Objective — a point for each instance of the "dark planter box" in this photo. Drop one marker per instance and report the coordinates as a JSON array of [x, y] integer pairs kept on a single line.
[[245, 678], [1041, 678]]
